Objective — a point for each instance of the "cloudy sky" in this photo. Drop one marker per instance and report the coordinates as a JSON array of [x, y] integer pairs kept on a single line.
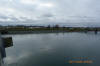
[[44, 12]]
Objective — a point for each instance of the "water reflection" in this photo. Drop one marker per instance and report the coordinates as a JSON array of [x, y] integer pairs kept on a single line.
[[52, 49]]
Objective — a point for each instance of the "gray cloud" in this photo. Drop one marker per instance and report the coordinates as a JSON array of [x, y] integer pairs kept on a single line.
[[49, 12]]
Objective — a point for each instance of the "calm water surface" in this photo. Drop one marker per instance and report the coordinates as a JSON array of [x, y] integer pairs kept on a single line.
[[53, 49]]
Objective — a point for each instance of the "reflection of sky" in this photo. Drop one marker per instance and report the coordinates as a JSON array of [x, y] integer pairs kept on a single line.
[[69, 12], [51, 49]]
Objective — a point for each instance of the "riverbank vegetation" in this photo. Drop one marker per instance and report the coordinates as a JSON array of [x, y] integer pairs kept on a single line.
[[8, 29]]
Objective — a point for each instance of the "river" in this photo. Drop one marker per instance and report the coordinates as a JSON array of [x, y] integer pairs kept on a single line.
[[53, 49]]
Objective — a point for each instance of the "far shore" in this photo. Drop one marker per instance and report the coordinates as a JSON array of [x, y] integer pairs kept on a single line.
[[24, 30]]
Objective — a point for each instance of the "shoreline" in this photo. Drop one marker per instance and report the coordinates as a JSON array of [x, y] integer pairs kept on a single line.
[[21, 30], [37, 32]]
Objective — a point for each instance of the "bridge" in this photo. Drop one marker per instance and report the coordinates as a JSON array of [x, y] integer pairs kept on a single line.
[[4, 43]]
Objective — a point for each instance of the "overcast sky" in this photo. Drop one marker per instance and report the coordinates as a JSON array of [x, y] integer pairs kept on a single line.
[[44, 12]]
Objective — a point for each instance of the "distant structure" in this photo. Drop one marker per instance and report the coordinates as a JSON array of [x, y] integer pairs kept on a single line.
[[48, 26], [57, 26], [4, 43], [96, 31]]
